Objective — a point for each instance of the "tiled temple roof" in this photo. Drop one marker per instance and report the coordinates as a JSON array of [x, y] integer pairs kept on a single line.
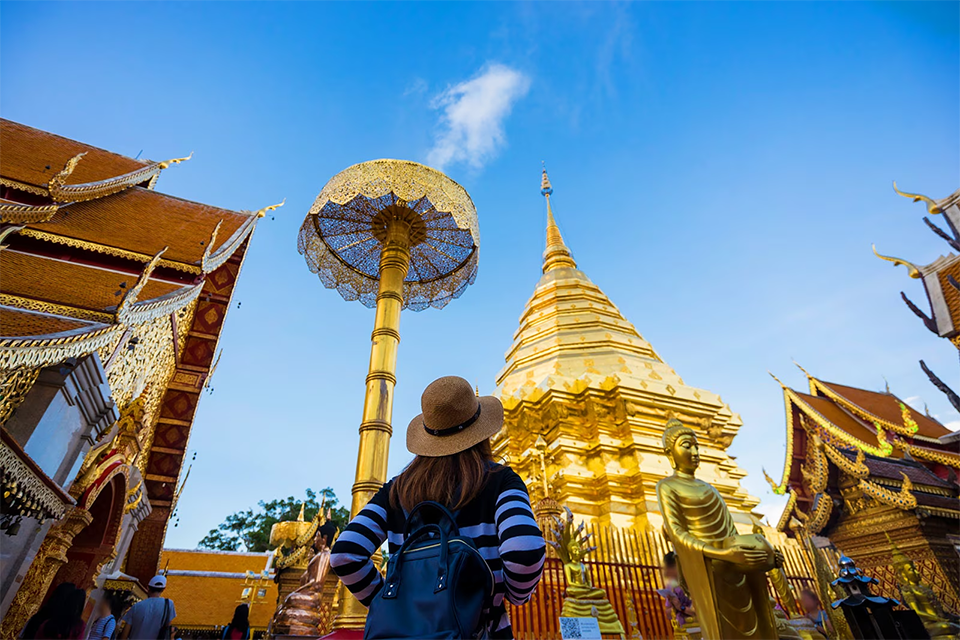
[[143, 221], [33, 157]]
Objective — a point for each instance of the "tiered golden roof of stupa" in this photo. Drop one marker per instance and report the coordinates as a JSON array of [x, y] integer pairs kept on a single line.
[[579, 374]]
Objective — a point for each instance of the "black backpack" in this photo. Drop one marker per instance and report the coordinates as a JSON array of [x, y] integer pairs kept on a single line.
[[437, 585]]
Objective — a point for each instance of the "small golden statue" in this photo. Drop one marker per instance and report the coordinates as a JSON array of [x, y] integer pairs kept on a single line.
[[922, 599], [723, 571], [582, 599], [300, 614]]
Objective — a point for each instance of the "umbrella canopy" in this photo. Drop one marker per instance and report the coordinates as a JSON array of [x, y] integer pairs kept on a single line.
[[342, 235]]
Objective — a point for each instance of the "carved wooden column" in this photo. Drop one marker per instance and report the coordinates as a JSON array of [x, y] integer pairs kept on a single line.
[[50, 557]]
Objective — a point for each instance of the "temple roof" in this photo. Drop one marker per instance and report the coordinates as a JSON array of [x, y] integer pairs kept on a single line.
[[143, 221], [892, 454], [89, 247], [882, 406], [33, 157], [21, 323], [71, 284]]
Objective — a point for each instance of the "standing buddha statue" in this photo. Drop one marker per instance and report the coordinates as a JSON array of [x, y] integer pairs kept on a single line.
[[921, 598], [724, 572], [582, 599]]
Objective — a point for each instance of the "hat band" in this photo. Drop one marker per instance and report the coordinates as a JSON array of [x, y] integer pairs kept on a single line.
[[455, 429]]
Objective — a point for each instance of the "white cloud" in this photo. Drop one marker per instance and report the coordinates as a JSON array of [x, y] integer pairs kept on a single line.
[[472, 116]]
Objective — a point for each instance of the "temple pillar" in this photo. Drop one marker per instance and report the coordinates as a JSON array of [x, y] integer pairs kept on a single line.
[[143, 558], [47, 563]]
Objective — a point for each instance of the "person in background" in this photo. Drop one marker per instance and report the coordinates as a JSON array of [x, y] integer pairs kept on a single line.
[[150, 619], [453, 466], [56, 602], [66, 622], [810, 602], [239, 627], [105, 623], [676, 602]]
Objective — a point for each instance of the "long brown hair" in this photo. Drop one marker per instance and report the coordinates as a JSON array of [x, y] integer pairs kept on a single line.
[[440, 478]]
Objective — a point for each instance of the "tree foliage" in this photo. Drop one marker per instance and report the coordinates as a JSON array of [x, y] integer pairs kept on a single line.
[[250, 530]]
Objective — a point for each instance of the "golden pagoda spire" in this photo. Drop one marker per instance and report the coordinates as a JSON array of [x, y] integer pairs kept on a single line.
[[556, 255]]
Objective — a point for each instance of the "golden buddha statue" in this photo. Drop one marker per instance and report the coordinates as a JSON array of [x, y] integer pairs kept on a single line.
[[582, 599], [723, 571], [922, 599], [300, 614]]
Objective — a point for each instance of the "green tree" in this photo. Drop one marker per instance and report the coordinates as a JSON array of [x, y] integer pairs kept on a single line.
[[250, 530]]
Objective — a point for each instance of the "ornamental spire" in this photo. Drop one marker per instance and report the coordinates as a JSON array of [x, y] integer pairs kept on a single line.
[[556, 255]]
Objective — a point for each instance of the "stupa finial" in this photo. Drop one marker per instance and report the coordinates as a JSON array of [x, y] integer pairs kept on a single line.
[[556, 255]]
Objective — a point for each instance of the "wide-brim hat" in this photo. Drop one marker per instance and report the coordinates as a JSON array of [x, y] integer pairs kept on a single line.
[[454, 419]]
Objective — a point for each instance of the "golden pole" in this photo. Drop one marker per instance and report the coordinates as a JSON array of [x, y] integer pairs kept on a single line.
[[375, 429]]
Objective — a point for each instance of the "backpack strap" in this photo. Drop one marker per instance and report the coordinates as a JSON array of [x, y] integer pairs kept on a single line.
[[430, 506], [392, 584]]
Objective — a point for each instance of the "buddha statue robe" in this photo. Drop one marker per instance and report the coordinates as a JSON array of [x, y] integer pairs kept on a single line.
[[730, 603]]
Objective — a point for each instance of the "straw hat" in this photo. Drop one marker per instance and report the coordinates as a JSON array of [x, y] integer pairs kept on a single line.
[[453, 419]]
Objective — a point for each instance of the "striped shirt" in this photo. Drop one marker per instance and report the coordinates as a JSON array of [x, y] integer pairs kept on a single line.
[[103, 628], [499, 521]]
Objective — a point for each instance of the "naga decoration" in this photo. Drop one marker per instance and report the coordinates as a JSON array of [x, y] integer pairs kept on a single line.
[[928, 322], [582, 599], [933, 207], [942, 386], [912, 269]]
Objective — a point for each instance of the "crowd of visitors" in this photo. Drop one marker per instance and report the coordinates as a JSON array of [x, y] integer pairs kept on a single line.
[[61, 616]]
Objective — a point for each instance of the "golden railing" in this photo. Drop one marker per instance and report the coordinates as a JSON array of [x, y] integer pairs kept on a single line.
[[626, 565]]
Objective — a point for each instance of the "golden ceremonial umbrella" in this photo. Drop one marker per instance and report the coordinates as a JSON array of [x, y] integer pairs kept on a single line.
[[392, 234]]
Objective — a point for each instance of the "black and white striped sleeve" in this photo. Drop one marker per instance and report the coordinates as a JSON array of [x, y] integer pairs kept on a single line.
[[522, 548], [350, 556]]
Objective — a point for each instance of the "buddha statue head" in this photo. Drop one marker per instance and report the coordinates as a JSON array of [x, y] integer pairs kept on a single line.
[[680, 445], [906, 570]]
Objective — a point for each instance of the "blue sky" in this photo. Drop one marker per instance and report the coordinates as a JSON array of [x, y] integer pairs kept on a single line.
[[720, 170]]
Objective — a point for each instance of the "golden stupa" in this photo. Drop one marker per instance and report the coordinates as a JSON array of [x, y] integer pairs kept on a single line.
[[581, 376]]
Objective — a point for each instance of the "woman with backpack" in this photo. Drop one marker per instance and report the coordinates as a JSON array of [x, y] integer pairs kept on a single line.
[[491, 511], [239, 627]]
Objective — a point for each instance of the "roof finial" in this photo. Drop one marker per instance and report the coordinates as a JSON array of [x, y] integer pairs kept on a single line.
[[556, 255], [912, 269]]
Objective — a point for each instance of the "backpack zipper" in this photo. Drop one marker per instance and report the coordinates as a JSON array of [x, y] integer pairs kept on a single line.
[[493, 579]]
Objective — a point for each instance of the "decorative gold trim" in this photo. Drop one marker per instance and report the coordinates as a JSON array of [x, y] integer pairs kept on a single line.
[[907, 429], [62, 192], [147, 310], [130, 296], [46, 503], [912, 269], [110, 251], [787, 511], [932, 207], [22, 186], [210, 262], [942, 457], [781, 488], [820, 512], [940, 511], [837, 432], [857, 469], [26, 213], [28, 304], [902, 499], [18, 353]]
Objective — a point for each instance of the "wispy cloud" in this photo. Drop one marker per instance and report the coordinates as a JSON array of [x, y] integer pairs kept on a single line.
[[472, 115]]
